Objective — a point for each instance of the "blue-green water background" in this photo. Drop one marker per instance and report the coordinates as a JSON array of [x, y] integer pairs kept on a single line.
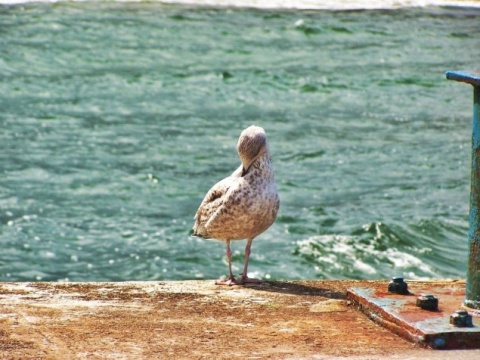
[[116, 118]]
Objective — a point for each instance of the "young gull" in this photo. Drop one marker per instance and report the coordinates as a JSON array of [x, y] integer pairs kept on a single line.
[[243, 205]]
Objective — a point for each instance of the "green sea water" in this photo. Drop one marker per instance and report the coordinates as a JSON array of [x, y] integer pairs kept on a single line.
[[116, 119]]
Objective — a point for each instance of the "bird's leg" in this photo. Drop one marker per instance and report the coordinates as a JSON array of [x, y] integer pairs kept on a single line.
[[231, 279], [245, 278]]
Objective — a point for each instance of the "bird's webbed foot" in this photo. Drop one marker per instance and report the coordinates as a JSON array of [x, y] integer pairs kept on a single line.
[[230, 281]]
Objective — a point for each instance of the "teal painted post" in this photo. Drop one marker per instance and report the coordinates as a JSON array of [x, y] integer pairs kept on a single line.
[[472, 294]]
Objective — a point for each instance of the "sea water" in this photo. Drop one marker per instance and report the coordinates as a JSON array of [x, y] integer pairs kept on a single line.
[[117, 117]]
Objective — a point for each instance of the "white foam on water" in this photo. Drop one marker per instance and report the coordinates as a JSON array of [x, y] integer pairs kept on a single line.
[[292, 4], [332, 252]]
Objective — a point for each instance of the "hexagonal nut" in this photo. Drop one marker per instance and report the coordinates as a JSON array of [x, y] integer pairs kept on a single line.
[[461, 318], [427, 302], [398, 286]]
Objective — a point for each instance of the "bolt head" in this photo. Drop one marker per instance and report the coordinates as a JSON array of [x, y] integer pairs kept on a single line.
[[427, 302], [461, 318], [398, 286]]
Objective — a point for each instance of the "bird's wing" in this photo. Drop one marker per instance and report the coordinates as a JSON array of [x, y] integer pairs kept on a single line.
[[211, 198], [218, 198], [217, 191], [224, 218]]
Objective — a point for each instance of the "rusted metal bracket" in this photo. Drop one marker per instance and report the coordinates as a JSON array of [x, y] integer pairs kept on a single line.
[[435, 320]]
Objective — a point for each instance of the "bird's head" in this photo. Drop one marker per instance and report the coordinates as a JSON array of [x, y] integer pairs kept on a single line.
[[251, 145]]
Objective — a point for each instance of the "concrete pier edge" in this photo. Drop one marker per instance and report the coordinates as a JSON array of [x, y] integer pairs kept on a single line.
[[199, 320]]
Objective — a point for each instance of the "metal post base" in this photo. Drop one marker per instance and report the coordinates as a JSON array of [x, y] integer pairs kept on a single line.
[[436, 328]]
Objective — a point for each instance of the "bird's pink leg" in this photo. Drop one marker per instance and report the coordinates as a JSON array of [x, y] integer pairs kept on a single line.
[[231, 279], [245, 278]]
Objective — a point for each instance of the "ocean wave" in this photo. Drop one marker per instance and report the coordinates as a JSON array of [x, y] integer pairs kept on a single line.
[[374, 251], [290, 4]]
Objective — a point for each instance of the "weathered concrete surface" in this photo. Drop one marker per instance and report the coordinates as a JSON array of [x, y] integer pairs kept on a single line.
[[195, 320]]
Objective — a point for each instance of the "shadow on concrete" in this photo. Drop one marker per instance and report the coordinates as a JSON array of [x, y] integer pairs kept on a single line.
[[296, 288]]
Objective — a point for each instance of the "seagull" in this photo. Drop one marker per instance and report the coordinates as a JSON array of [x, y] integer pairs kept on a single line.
[[243, 205]]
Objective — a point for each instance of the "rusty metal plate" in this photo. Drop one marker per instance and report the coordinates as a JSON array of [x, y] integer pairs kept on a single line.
[[428, 328]]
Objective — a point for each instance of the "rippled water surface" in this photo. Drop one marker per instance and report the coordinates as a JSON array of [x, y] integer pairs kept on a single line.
[[116, 118]]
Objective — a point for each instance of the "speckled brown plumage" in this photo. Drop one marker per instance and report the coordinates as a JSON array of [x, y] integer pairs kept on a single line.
[[245, 204]]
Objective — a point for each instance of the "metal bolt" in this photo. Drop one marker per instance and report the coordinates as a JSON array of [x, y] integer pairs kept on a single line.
[[461, 318], [427, 302], [398, 286]]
